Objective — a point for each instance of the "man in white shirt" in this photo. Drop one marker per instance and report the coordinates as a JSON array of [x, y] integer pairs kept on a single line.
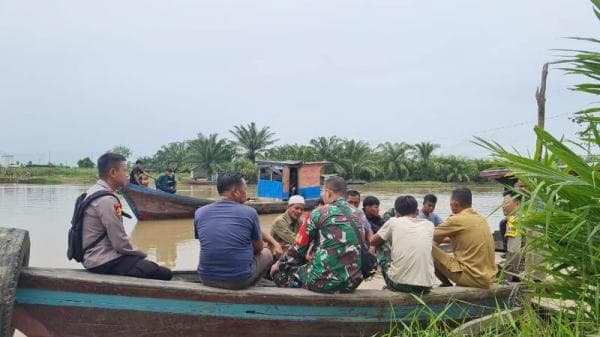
[[404, 249]]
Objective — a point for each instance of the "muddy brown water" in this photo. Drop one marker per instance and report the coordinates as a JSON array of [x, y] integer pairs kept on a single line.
[[45, 211]]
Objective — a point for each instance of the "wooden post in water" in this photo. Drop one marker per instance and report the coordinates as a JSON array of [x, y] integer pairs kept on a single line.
[[540, 97]]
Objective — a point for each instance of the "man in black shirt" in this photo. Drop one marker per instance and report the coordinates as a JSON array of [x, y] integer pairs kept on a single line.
[[135, 177], [371, 210]]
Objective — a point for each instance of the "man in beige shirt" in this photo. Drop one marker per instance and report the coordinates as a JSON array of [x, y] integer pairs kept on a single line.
[[473, 263], [109, 250], [286, 225]]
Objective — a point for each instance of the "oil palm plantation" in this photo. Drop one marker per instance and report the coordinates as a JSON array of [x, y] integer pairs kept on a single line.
[[356, 160], [424, 152], [251, 141], [327, 148], [395, 159], [210, 153], [173, 155]]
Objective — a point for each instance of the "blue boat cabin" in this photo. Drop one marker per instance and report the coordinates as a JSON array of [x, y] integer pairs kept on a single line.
[[282, 179]]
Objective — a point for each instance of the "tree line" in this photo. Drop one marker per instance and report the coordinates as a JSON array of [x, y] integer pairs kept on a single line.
[[350, 158]]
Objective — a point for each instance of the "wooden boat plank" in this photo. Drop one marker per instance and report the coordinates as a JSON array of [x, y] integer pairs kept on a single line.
[[83, 281]]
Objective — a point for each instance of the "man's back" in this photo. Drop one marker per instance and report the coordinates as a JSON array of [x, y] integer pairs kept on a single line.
[[410, 238], [473, 244], [336, 263], [226, 230]]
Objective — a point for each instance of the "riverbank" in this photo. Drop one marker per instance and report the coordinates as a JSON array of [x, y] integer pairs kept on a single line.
[[82, 176]]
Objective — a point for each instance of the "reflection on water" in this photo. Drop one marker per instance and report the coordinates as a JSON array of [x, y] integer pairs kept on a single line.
[[45, 211]]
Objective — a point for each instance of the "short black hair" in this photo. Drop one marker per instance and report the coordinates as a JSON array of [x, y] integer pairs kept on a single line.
[[516, 196], [337, 184], [370, 201], [168, 169], [138, 162], [406, 204], [109, 161], [463, 196], [430, 198], [353, 193], [229, 180]]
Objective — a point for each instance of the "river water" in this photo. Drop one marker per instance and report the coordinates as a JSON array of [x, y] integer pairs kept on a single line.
[[45, 211]]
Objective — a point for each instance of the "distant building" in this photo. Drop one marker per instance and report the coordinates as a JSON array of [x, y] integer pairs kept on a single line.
[[7, 160]]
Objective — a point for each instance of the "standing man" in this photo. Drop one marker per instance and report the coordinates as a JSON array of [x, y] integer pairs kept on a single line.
[[108, 248], [335, 266], [404, 252], [473, 262], [513, 236], [135, 177], [233, 254], [286, 225], [426, 212], [166, 182]]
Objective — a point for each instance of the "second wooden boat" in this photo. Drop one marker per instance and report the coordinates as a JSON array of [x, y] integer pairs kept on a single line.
[[151, 204]]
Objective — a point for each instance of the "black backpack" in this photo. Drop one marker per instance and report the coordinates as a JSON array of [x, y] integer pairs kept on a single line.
[[75, 239]]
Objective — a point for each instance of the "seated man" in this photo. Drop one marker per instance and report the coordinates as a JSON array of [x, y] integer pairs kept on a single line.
[[335, 266], [166, 182], [371, 210], [108, 248], [426, 212], [404, 252], [353, 199], [232, 251], [473, 263], [286, 225]]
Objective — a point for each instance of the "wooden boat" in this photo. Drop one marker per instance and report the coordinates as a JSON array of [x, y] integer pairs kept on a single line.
[[151, 204], [59, 302], [200, 182]]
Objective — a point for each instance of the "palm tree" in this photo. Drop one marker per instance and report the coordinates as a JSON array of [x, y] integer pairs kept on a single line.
[[173, 155], [395, 159], [356, 159], [424, 150], [327, 148], [210, 153], [251, 141], [291, 152]]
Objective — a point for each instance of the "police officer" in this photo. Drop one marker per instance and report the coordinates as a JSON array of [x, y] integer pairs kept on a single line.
[[111, 251]]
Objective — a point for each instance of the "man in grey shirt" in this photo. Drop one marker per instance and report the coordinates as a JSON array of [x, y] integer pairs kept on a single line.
[[426, 212], [109, 250]]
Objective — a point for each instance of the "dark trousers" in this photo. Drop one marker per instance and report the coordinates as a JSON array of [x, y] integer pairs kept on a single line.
[[134, 266]]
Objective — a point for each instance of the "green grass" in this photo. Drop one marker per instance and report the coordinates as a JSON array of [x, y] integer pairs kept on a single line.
[[47, 175], [529, 322]]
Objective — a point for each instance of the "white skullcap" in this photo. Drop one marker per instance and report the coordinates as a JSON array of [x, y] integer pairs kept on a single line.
[[296, 199]]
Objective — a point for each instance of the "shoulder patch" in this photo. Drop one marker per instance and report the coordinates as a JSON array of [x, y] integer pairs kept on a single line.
[[118, 209]]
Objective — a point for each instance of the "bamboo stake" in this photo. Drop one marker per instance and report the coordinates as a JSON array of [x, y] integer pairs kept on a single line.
[[540, 97]]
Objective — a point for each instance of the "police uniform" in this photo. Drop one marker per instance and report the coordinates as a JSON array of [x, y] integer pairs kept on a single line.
[[114, 254]]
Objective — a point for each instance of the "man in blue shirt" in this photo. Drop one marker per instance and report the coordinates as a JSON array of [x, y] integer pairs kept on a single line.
[[426, 212], [233, 254]]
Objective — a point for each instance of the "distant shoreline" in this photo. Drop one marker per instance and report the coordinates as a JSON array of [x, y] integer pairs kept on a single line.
[[86, 176]]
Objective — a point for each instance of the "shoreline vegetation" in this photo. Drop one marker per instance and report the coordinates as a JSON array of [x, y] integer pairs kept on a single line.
[[58, 175]]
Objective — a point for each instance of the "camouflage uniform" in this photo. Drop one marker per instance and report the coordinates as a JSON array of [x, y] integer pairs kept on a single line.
[[390, 213], [335, 266]]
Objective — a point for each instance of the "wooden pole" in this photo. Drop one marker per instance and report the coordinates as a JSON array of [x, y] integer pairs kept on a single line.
[[540, 97]]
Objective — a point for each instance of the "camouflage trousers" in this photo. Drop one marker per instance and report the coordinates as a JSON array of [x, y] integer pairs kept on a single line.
[[384, 259]]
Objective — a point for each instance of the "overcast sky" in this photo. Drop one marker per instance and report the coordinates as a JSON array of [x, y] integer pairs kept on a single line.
[[78, 77]]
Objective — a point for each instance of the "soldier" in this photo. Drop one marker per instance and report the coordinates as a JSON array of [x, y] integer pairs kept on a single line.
[[109, 250], [335, 266], [286, 225]]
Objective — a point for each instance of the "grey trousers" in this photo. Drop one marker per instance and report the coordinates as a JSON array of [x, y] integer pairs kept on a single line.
[[260, 265]]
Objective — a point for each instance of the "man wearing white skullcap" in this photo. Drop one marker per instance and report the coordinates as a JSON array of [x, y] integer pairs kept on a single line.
[[286, 225]]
